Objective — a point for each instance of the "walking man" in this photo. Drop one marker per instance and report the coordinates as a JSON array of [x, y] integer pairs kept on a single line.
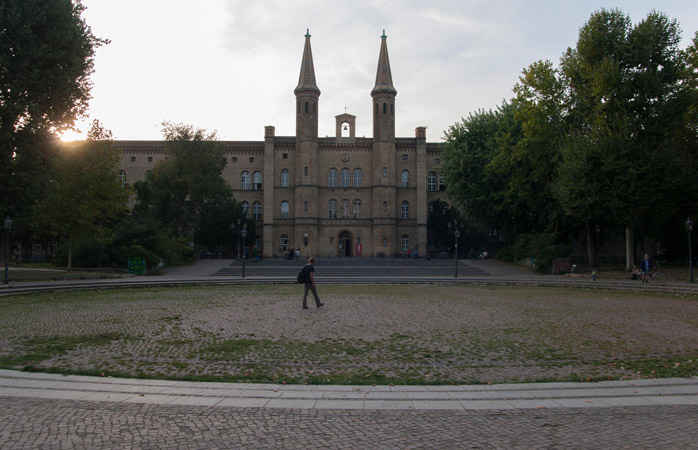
[[308, 275]]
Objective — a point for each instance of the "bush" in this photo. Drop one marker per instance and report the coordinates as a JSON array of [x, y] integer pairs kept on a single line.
[[543, 248]]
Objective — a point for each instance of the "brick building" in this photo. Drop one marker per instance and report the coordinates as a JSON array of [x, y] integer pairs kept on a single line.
[[334, 196]]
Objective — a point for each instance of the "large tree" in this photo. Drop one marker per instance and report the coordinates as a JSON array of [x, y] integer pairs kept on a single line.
[[85, 195], [46, 59]]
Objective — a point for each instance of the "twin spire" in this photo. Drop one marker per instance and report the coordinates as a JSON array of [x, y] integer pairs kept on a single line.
[[384, 78]]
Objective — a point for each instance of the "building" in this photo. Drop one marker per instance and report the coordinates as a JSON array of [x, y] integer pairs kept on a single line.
[[339, 196]]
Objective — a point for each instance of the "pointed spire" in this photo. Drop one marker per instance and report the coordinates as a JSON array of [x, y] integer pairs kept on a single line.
[[384, 78], [306, 81]]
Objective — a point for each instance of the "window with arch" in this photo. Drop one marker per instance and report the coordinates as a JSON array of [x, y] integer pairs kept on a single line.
[[405, 179], [405, 210], [385, 242], [385, 208], [344, 209], [332, 209], [256, 211], [285, 178], [284, 210], [358, 178], [432, 182], [305, 171], [284, 242], [257, 181], [245, 181], [306, 206], [357, 209], [332, 178], [405, 243], [344, 177], [122, 177], [245, 210], [385, 171]]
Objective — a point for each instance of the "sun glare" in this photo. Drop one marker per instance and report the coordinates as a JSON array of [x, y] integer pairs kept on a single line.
[[70, 135]]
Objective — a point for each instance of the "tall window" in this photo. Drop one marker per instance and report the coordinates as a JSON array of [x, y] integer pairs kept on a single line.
[[432, 182], [357, 209], [306, 206], [358, 175], [245, 210], [405, 179], [332, 178], [284, 178], [257, 181], [345, 209], [245, 181], [385, 208], [256, 211], [405, 210], [284, 210], [385, 171], [284, 242], [442, 183], [405, 242], [344, 174], [332, 209]]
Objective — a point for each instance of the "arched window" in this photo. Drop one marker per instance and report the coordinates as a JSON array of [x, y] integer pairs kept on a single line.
[[385, 242], [284, 242], [405, 243], [432, 182], [284, 210], [245, 181], [344, 214], [385, 208], [358, 178], [405, 179], [385, 171], [256, 211], [306, 206], [357, 209], [344, 177], [332, 178], [332, 209], [122, 177], [245, 210], [305, 171], [405, 210], [285, 178], [257, 181]]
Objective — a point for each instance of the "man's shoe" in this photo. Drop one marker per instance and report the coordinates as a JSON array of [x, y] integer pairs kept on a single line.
[[305, 307], [321, 304]]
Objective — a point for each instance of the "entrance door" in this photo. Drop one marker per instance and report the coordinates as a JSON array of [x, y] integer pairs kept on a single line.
[[344, 244]]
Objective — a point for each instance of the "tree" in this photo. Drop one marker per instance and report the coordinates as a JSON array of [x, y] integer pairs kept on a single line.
[[186, 192], [46, 58], [85, 193]]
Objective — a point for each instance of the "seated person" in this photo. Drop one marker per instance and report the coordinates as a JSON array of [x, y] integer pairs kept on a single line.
[[635, 274]]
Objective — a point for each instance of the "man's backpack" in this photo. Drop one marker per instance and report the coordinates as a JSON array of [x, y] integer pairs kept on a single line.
[[301, 276]]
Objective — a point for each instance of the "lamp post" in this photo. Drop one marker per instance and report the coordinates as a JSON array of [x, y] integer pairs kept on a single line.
[[598, 231], [305, 243], [689, 229], [8, 225], [456, 234], [244, 235]]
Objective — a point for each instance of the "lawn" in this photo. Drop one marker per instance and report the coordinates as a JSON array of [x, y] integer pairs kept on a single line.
[[400, 334]]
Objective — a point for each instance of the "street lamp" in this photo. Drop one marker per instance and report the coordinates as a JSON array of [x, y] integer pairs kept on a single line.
[[8, 225], [598, 231], [456, 233], [689, 229], [244, 235]]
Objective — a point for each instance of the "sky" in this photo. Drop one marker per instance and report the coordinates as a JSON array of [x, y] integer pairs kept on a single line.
[[232, 66]]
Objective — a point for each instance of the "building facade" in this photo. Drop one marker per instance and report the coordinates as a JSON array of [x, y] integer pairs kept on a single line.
[[337, 196]]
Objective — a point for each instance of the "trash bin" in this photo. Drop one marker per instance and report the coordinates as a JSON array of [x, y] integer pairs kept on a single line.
[[136, 266]]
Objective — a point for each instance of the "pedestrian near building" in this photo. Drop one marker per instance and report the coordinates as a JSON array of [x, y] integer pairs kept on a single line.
[[645, 266], [309, 277]]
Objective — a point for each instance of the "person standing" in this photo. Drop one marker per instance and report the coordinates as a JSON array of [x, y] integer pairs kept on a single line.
[[645, 266], [309, 277]]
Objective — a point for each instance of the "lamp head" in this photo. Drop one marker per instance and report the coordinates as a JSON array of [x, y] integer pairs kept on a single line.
[[689, 225]]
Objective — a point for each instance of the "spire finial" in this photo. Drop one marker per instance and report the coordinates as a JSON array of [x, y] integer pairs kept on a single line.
[[307, 32], [384, 36]]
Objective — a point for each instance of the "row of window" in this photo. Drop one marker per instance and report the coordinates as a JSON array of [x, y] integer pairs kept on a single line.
[[335, 210]]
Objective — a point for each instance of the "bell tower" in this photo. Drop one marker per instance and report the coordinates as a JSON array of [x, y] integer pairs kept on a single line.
[[384, 163], [306, 157]]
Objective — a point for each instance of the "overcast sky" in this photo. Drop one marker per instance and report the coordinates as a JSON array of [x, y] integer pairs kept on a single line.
[[231, 65]]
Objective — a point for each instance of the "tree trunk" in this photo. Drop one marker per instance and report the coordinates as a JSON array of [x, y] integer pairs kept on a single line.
[[591, 249], [629, 248], [70, 254]]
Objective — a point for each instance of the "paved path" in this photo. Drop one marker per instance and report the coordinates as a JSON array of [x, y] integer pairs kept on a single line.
[[55, 411]]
